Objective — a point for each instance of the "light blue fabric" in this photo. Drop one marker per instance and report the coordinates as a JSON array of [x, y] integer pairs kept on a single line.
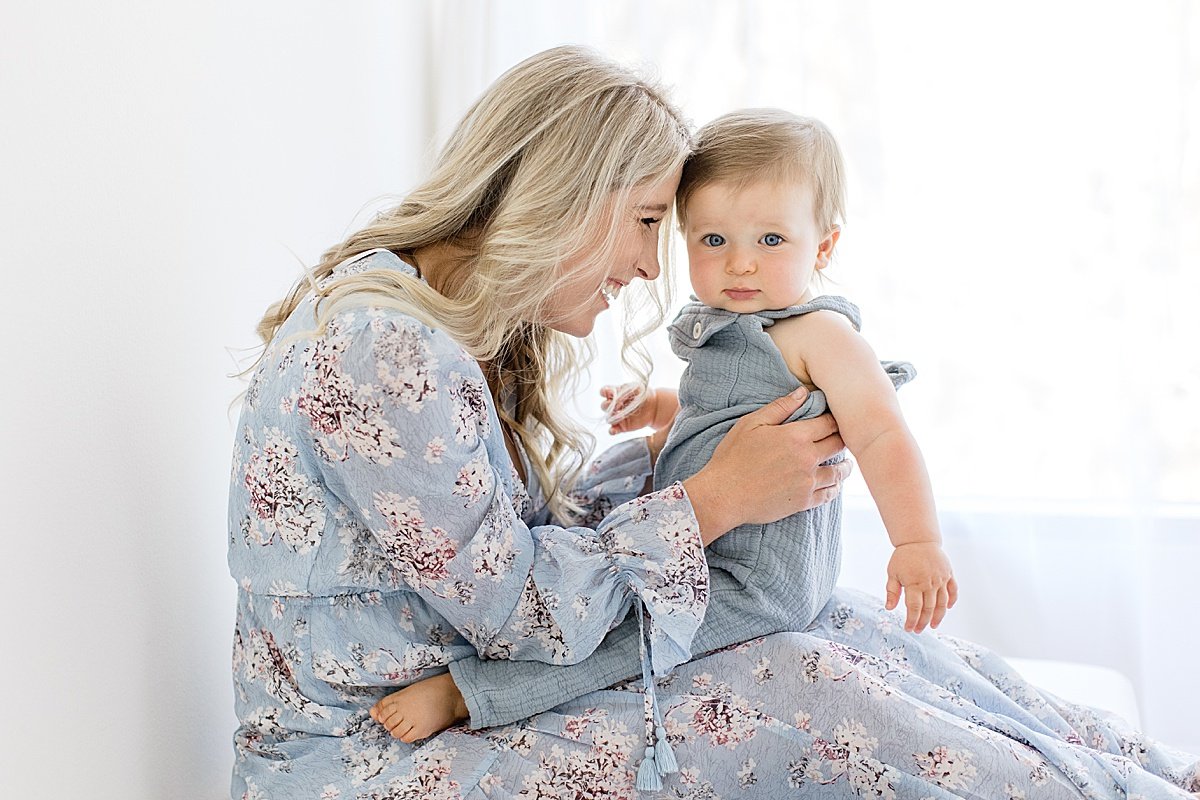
[[785, 570], [378, 531], [764, 578]]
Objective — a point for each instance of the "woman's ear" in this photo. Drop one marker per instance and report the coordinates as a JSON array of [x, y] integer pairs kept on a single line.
[[825, 248]]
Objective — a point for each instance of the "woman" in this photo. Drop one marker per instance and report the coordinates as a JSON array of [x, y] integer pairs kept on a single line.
[[403, 468], [380, 524]]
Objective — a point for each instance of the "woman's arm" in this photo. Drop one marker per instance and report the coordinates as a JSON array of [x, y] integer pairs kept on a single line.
[[499, 692], [411, 445]]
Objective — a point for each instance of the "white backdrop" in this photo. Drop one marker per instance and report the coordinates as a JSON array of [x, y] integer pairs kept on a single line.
[[165, 165], [161, 163]]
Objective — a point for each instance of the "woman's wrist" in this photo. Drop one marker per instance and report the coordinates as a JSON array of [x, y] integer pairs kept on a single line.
[[714, 514]]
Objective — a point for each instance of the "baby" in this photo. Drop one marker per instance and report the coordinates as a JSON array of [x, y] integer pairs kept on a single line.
[[759, 206]]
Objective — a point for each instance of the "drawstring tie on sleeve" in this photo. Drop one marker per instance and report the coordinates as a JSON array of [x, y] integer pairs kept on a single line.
[[659, 759]]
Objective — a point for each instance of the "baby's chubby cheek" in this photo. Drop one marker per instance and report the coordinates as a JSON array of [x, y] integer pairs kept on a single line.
[[705, 287]]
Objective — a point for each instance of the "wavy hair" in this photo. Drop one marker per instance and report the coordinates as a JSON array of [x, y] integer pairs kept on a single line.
[[528, 180]]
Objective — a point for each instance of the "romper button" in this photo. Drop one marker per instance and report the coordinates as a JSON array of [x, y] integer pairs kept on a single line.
[[697, 329]]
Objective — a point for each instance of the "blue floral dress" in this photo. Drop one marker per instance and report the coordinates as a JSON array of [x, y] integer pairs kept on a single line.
[[378, 531]]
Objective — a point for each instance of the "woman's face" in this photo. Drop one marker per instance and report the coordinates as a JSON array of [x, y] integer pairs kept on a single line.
[[594, 282]]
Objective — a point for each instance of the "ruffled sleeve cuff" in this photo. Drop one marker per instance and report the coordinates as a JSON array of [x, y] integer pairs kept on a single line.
[[655, 546]]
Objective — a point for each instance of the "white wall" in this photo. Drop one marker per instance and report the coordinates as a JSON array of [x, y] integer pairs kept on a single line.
[[159, 162]]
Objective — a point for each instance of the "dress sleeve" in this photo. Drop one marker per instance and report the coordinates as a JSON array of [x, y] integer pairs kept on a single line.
[[613, 478], [408, 439]]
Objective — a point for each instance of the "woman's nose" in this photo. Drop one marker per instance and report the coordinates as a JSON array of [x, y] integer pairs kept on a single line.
[[648, 267]]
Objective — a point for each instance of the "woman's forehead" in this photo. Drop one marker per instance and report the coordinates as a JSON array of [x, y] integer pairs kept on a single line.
[[656, 196]]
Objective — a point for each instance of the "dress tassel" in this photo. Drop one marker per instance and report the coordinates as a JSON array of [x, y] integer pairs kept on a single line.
[[648, 779], [659, 760], [664, 756]]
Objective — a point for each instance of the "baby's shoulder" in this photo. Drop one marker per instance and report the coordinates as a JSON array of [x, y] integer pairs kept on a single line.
[[816, 328], [800, 337]]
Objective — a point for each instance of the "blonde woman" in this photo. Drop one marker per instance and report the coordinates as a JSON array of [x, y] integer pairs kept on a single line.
[[404, 475]]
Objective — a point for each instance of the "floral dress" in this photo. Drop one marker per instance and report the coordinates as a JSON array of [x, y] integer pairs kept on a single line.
[[378, 531]]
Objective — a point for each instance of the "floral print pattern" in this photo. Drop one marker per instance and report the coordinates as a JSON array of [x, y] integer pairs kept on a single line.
[[344, 414], [378, 531], [281, 499]]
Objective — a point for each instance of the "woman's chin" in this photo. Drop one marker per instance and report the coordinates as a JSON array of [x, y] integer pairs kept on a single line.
[[578, 327]]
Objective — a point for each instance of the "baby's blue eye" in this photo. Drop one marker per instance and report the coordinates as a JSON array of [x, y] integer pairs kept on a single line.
[[772, 240], [713, 239]]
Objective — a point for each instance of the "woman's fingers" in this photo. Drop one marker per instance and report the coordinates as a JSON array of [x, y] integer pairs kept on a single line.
[[819, 429], [764, 470], [776, 411], [832, 475], [827, 447]]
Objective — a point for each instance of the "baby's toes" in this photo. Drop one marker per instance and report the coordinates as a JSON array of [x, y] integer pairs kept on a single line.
[[397, 727], [391, 718]]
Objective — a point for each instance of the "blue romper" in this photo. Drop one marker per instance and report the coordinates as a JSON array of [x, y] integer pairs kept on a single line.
[[762, 578], [784, 571]]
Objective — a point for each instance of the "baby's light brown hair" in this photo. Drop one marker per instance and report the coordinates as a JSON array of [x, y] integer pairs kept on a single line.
[[755, 144]]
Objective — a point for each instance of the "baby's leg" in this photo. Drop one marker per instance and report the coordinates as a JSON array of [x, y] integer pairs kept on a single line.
[[499, 692], [421, 709]]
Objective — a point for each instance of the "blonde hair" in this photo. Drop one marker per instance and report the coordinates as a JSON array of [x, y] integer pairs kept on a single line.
[[755, 144], [527, 180]]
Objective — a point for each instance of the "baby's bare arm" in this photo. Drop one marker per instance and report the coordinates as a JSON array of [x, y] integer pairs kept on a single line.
[[824, 348]]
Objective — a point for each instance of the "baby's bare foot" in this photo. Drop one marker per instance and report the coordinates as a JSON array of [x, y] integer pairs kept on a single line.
[[422, 709]]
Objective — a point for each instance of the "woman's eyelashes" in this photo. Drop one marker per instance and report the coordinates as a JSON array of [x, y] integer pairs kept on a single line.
[[650, 222]]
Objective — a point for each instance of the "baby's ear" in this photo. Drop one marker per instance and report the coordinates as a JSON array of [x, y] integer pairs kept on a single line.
[[825, 248]]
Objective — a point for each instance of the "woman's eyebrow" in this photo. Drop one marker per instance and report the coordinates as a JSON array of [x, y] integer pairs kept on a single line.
[[659, 207]]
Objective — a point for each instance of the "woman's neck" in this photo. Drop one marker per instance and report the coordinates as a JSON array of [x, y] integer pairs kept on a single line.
[[442, 264]]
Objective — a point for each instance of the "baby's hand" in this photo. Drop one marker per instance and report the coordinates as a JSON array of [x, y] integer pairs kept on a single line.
[[630, 407], [923, 570]]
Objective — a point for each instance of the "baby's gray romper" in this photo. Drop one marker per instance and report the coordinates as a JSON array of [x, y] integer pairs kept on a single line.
[[763, 578]]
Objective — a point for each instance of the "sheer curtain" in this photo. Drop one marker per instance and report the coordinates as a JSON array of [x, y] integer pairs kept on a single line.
[[1024, 198]]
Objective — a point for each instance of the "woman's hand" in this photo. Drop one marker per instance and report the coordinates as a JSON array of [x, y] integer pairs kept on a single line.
[[765, 469]]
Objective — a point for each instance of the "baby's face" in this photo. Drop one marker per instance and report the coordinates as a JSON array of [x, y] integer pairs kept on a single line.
[[755, 247]]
